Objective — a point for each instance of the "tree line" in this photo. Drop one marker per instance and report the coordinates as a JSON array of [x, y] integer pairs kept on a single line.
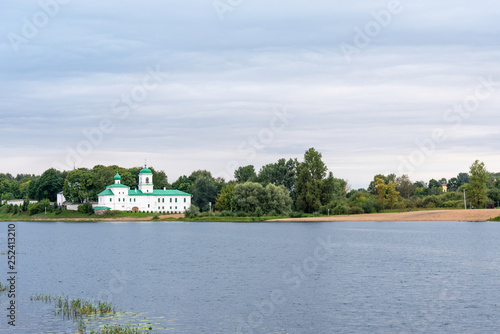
[[278, 188]]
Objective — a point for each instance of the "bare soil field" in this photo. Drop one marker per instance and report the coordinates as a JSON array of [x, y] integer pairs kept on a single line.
[[434, 215]]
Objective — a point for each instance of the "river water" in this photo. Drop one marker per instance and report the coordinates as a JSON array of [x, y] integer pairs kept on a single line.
[[179, 277]]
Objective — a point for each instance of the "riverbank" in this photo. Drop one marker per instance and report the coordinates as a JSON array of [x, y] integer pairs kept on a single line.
[[431, 215], [434, 215]]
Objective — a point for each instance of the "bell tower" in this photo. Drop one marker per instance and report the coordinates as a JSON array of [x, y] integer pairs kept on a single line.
[[146, 180]]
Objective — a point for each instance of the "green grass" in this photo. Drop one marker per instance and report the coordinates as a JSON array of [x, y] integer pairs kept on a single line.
[[3, 287], [496, 219]]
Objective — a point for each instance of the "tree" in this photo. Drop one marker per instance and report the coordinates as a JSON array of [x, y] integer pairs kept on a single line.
[[277, 199], [50, 183], [223, 201], [373, 183], [392, 194], [310, 174], [204, 191], [248, 196], [434, 187], [453, 184], [405, 186], [78, 185], [477, 190], [380, 190], [463, 178], [281, 173], [245, 174]]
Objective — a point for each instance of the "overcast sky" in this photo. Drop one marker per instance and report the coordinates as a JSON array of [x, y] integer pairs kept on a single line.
[[200, 84]]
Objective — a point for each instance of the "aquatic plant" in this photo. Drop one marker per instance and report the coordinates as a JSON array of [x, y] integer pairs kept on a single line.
[[40, 297], [119, 329]]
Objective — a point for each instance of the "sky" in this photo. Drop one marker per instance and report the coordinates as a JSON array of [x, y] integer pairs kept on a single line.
[[404, 87]]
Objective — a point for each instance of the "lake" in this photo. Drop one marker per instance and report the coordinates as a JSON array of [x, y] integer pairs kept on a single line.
[[366, 277]]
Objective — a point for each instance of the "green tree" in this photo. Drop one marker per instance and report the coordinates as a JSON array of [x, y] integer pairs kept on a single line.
[[248, 196], [245, 174], [78, 185], [392, 194], [50, 183], [381, 190], [203, 191], [281, 173], [223, 201], [477, 190], [277, 199], [310, 174], [405, 186]]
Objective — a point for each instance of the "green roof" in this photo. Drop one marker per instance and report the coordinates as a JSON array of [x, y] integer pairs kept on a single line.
[[102, 208], [145, 170], [117, 176], [158, 192], [106, 192], [117, 186]]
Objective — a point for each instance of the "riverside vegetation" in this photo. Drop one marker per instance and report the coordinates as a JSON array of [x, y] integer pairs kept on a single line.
[[286, 188], [101, 316]]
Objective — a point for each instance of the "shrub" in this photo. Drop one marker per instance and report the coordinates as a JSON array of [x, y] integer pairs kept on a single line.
[[241, 214], [258, 212], [39, 207], [192, 212], [16, 210], [86, 208], [356, 210], [341, 210], [297, 214], [226, 213], [369, 206]]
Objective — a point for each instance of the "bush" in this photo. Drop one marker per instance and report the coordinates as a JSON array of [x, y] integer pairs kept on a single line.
[[356, 210], [86, 208], [258, 212], [341, 210], [16, 210], [226, 213], [39, 207], [241, 214], [192, 212], [369, 206], [297, 214]]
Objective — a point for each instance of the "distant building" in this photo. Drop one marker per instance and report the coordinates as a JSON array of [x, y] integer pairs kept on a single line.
[[120, 197], [60, 199], [444, 187], [19, 202]]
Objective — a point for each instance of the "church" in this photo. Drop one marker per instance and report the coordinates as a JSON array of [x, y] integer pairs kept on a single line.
[[120, 197]]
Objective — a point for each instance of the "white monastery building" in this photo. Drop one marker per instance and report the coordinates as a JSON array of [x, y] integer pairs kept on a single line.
[[120, 197]]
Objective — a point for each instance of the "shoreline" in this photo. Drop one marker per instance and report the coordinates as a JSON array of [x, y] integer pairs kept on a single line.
[[477, 215]]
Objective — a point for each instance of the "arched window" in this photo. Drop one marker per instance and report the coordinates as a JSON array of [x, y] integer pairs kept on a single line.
[[147, 180]]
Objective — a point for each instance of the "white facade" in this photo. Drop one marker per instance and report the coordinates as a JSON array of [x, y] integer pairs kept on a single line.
[[120, 197], [60, 199]]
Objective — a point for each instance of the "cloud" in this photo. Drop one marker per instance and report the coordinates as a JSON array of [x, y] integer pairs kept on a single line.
[[222, 82]]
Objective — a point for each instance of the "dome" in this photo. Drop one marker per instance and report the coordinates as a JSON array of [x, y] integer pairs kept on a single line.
[[145, 170], [117, 176]]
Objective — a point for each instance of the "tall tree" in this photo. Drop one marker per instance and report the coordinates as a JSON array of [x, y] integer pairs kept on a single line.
[[50, 183], [392, 194], [223, 201], [281, 173], [245, 174], [405, 186], [204, 192], [309, 184], [477, 190], [380, 190]]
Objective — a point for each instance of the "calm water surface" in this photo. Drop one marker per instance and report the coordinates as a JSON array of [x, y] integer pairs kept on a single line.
[[393, 277]]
